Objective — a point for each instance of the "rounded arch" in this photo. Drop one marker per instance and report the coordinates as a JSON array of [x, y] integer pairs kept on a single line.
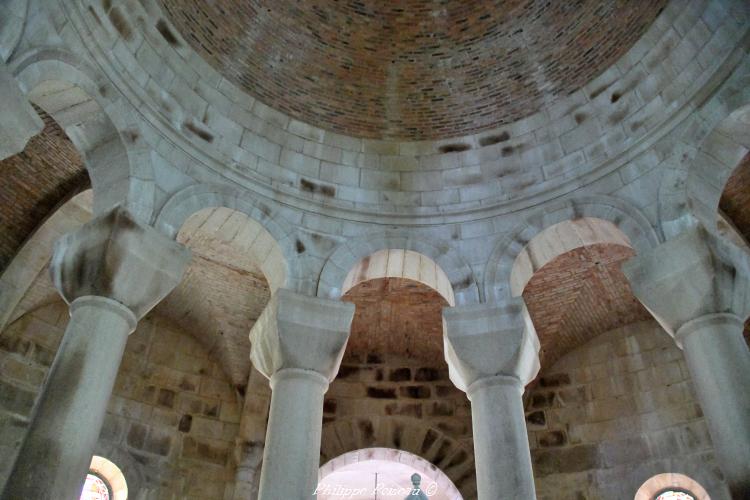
[[397, 263], [558, 239], [412, 435], [349, 254], [98, 122], [197, 197], [623, 216], [671, 480], [718, 156], [439, 482]]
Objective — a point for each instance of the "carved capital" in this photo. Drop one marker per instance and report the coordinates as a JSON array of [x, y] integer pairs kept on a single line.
[[488, 340], [695, 274], [301, 332], [115, 256]]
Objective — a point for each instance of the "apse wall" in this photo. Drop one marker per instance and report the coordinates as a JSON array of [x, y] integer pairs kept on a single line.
[[614, 412], [172, 419]]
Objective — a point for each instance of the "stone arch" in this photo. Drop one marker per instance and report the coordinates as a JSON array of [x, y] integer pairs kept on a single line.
[[699, 165], [98, 122], [397, 263], [718, 156], [411, 435], [442, 483], [623, 216], [348, 255], [12, 21], [197, 197]]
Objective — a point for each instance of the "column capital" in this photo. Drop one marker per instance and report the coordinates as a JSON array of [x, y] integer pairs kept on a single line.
[[301, 332], [490, 341], [696, 274], [116, 257]]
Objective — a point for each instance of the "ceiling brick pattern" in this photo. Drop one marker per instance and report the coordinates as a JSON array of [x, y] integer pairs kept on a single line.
[[34, 182], [735, 203], [396, 316], [413, 69], [579, 295]]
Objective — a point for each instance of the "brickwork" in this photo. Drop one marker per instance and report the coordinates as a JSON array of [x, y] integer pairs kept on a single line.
[[396, 316], [614, 412], [417, 69], [172, 410], [579, 295], [34, 182]]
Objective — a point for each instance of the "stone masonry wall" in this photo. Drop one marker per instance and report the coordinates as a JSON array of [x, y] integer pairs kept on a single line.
[[172, 420], [614, 412]]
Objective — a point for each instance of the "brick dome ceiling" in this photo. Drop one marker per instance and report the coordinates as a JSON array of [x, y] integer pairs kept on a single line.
[[412, 69]]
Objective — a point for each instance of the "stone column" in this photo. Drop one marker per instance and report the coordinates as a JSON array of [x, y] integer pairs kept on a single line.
[[493, 352], [18, 120], [111, 271], [298, 343], [697, 286]]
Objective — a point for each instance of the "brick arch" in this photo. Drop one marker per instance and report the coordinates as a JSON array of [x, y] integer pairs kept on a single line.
[[197, 197], [349, 254], [411, 435], [99, 125], [626, 218]]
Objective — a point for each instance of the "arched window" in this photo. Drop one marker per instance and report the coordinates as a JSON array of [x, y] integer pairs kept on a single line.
[[674, 494], [671, 486], [105, 481]]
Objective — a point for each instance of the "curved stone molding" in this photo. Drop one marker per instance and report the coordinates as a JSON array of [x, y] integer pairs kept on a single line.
[[625, 217], [590, 133], [350, 253], [12, 21], [194, 198], [100, 125], [720, 153], [703, 159]]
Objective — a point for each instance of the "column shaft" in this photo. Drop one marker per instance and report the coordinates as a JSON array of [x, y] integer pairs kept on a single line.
[[292, 453], [501, 444], [70, 408], [719, 363]]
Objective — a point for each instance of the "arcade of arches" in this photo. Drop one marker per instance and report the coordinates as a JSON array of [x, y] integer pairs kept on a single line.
[[456, 250]]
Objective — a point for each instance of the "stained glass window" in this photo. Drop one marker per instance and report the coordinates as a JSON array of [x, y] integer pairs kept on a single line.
[[674, 495], [95, 488]]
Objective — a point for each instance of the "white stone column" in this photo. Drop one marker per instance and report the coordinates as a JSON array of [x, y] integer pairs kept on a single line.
[[298, 343], [112, 271], [697, 286], [18, 120], [493, 352]]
